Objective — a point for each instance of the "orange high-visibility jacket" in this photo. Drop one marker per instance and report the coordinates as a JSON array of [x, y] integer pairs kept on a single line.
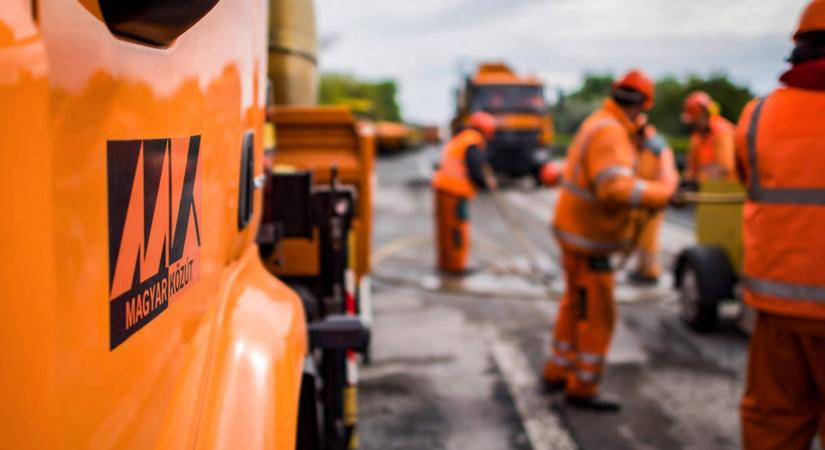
[[711, 154], [452, 175], [781, 159], [600, 188]]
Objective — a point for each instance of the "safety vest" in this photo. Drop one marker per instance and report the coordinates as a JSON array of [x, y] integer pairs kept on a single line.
[[581, 223], [784, 214], [452, 176], [703, 149]]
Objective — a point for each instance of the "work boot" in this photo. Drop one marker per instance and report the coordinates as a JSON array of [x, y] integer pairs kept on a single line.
[[641, 279], [553, 386], [596, 403]]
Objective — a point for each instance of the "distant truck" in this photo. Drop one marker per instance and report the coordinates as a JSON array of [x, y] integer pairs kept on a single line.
[[525, 127]]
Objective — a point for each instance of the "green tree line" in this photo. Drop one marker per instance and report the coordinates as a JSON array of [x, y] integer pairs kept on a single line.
[[571, 109], [375, 100]]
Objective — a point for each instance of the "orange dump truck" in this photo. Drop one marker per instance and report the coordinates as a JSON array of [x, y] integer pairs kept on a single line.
[[137, 310], [524, 125], [393, 137]]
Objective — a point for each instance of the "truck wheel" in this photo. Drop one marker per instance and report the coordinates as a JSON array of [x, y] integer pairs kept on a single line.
[[704, 278]]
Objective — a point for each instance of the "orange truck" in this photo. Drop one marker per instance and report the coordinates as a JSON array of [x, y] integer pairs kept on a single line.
[[137, 310], [524, 125]]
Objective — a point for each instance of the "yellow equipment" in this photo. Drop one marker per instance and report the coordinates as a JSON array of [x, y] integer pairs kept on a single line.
[[706, 274]]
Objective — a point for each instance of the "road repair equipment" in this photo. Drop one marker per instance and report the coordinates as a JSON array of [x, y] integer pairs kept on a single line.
[[778, 142], [454, 185], [323, 170], [524, 128], [711, 149], [592, 221]]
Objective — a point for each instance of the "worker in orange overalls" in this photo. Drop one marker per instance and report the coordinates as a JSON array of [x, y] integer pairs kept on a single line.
[[460, 172], [711, 150], [779, 145], [657, 163], [592, 221]]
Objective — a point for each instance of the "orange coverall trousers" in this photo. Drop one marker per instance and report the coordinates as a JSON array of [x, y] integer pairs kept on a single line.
[[584, 326], [452, 224], [784, 400]]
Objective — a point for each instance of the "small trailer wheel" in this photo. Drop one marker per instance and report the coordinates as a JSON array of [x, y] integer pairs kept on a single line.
[[704, 278]]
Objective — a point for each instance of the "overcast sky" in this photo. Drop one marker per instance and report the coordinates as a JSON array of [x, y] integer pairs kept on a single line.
[[424, 43]]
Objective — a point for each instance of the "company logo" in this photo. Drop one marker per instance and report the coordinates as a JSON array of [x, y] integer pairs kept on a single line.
[[154, 228]]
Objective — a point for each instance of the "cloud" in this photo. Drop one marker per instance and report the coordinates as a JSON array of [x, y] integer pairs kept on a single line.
[[424, 44]]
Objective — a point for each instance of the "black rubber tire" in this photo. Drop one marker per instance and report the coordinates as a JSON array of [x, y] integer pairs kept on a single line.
[[310, 433], [704, 277]]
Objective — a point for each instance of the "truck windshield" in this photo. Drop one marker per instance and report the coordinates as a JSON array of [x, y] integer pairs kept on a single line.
[[508, 98]]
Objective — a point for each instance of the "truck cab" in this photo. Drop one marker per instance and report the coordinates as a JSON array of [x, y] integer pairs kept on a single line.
[[524, 126]]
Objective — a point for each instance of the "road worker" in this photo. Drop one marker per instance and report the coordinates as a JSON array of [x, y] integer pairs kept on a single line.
[[711, 150], [460, 173], [653, 148], [592, 221], [780, 159]]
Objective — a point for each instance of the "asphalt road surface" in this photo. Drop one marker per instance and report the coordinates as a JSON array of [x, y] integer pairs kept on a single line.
[[455, 362]]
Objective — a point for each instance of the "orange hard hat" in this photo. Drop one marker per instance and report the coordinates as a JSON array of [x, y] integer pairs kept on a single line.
[[551, 172], [696, 103], [483, 122], [638, 81], [812, 19]]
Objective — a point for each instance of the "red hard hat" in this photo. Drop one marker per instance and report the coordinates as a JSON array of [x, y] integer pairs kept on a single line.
[[696, 103], [638, 81], [551, 173], [483, 122], [812, 19]]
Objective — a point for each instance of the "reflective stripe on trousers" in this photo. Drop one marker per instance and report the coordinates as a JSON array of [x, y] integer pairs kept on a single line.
[[589, 244]]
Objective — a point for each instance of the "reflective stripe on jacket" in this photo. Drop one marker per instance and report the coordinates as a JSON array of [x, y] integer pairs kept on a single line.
[[452, 175], [600, 189], [781, 152]]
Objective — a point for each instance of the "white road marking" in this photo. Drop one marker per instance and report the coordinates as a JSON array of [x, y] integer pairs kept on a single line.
[[543, 426]]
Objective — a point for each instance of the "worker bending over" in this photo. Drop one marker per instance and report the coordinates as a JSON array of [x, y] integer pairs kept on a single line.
[[593, 220], [460, 172], [656, 163], [711, 150], [780, 145]]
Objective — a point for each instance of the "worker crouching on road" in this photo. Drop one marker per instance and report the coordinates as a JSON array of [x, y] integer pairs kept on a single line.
[[711, 151], [780, 146], [461, 171], [592, 221], [656, 163]]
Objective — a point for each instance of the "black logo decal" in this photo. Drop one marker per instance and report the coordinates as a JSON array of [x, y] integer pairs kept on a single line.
[[154, 231]]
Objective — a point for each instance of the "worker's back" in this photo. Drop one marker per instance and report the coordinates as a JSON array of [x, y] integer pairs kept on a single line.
[[452, 175], [780, 143], [592, 225]]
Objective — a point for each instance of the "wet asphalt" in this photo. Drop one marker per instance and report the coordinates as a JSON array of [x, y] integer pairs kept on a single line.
[[434, 381]]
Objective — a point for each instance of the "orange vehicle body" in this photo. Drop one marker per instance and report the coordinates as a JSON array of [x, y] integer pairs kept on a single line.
[[392, 137], [217, 362], [317, 139], [524, 124]]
